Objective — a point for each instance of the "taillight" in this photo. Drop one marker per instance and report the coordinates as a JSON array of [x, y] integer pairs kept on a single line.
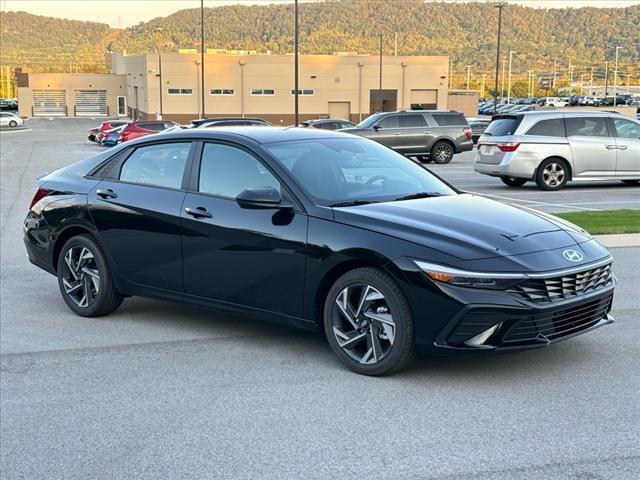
[[39, 195], [508, 146], [467, 132]]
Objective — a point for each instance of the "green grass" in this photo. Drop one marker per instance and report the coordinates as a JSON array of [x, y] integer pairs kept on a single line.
[[607, 221]]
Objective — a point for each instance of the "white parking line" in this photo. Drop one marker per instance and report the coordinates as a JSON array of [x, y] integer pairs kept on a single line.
[[561, 205]]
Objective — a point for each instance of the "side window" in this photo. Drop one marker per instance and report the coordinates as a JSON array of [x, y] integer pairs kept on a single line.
[[328, 125], [626, 128], [447, 119], [548, 128], [586, 127], [157, 165], [412, 121], [226, 171], [389, 122]]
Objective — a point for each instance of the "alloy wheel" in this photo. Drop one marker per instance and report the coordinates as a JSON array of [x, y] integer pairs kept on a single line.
[[442, 153], [553, 174], [363, 325], [81, 277]]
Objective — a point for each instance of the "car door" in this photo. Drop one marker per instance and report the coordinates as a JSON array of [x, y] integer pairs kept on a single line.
[[627, 134], [136, 209], [593, 147], [415, 133], [241, 256], [387, 131]]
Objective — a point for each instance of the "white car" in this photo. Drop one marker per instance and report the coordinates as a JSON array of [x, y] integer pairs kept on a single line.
[[10, 120], [556, 102]]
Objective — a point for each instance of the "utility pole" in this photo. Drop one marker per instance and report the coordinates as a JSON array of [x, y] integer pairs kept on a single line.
[[504, 66], [204, 115], [499, 6], [159, 46], [615, 78], [468, 76], [295, 69], [380, 72], [484, 76], [570, 78], [511, 52], [581, 84], [628, 83], [606, 79], [591, 82]]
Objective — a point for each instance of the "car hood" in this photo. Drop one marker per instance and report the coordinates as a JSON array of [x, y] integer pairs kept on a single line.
[[468, 227]]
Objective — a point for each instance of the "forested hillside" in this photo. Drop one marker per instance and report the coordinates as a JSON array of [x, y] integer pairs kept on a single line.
[[466, 31]]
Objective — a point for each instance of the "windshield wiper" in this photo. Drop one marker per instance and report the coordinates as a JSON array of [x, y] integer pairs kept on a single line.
[[350, 203], [419, 195]]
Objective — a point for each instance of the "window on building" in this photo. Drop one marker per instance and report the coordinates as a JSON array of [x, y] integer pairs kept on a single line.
[[180, 91], [307, 92], [222, 91], [262, 91], [122, 106]]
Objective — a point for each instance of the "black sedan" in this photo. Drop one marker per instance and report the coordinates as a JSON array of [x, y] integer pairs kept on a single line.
[[320, 230]]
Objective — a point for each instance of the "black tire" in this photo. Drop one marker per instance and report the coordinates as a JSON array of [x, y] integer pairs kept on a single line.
[[630, 182], [75, 281], [552, 174], [513, 181], [423, 158], [396, 346], [13, 124], [442, 152]]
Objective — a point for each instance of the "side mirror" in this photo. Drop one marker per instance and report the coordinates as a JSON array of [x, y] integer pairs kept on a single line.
[[377, 127], [262, 197]]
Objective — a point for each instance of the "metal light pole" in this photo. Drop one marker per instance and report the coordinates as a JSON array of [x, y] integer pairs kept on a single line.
[[570, 78], [484, 77], [615, 78], [295, 68], [591, 82], [511, 52], [555, 72], [499, 6], [504, 67], [380, 84], [468, 76], [628, 83], [204, 115], [606, 79], [158, 43], [242, 64], [581, 84]]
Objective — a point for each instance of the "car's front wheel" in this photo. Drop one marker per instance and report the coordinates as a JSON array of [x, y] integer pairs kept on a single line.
[[368, 323], [513, 181], [84, 278], [13, 124], [442, 152], [552, 174]]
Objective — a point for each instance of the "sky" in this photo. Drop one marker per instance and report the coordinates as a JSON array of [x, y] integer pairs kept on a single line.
[[125, 13]]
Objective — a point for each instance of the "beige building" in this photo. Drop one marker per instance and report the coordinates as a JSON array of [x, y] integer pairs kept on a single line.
[[240, 84]]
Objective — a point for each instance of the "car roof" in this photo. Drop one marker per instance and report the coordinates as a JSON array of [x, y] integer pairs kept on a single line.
[[262, 135], [569, 113]]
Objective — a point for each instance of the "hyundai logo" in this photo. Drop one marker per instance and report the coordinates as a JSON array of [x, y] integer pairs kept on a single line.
[[572, 255]]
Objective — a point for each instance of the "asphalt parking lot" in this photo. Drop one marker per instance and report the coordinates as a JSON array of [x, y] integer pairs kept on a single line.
[[158, 390]]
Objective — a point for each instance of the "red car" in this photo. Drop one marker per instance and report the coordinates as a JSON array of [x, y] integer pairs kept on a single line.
[[96, 134], [141, 128]]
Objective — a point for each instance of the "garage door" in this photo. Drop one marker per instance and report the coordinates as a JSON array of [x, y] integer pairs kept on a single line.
[[91, 103], [424, 99], [340, 110], [49, 103]]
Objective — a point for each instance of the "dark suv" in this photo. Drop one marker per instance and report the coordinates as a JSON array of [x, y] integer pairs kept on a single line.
[[428, 135]]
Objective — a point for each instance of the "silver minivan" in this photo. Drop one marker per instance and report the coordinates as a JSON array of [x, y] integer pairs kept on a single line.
[[552, 148]]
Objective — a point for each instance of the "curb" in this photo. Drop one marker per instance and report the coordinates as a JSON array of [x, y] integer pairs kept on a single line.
[[619, 240]]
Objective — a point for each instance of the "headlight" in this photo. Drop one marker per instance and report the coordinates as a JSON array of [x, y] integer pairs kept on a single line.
[[463, 278]]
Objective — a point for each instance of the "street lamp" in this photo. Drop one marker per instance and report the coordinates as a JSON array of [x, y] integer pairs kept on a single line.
[[295, 62], [615, 78], [468, 76], [158, 47], [242, 64], [511, 52], [380, 82], [202, 55], [499, 6]]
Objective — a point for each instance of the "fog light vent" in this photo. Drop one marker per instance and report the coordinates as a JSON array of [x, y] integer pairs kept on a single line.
[[478, 340]]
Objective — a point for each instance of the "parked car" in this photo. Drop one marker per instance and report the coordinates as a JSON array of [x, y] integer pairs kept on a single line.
[[556, 102], [109, 138], [478, 127], [552, 148], [140, 128], [327, 124], [320, 230], [229, 122], [8, 104], [10, 120], [94, 133], [428, 135]]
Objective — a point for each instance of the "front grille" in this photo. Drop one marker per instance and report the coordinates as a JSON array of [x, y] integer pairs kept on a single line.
[[550, 326], [566, 286]]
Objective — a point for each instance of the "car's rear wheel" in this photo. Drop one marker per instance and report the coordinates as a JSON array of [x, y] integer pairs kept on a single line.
[[84, 278], [13, 123], [552, 174], [442, 152], [368, 323], [631, 182], [513, 181]]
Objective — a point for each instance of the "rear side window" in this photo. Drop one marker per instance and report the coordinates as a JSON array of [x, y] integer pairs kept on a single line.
[[553, 127], [626, 128], [447, 119], [157, 165], [586, 127], [412, 121], [503, 126]]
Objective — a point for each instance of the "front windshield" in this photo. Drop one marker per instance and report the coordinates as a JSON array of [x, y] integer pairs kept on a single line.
[[369, 121], [343, 170]]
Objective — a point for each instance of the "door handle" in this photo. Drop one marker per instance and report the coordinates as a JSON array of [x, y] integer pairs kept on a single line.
[[397, 133], [622, 147], [106, 193], [199, 212], [611, 147]]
